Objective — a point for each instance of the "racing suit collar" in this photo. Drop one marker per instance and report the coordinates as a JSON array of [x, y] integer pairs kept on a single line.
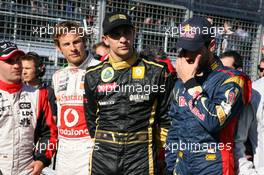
[[10, 88], [87, 60], [217, 64], [118, 65]]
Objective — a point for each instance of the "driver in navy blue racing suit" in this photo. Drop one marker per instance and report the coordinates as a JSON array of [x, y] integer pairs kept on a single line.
[[205, 107]]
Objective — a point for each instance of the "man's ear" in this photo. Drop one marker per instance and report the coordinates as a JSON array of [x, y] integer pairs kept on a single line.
[[105, 40], [212, 46]]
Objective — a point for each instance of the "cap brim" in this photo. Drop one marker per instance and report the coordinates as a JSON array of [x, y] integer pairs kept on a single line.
[[113, 26], [189, 45], [13, 53]]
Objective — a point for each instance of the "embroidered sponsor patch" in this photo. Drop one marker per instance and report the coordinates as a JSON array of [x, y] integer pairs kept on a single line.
[[226, 107], [116, 17], [195, 91], [106, 87], [182, 101], [138, 98], [63, 87], [104, 103], [195, 111], [24, 122], [210, 157], [138, 72], [81, 85], [107, 74], [24, 105], [220, 114]]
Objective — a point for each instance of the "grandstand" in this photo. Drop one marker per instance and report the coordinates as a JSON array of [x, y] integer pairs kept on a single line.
[[29, 23]]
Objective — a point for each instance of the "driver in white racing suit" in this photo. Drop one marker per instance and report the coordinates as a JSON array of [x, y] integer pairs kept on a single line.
[[75, 144], [28, 133]]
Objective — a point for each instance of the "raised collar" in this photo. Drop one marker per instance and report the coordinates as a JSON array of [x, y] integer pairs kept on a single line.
[[10, 88], [118, 65]]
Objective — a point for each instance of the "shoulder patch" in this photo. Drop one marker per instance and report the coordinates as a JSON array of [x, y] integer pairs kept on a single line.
[[236, 79]]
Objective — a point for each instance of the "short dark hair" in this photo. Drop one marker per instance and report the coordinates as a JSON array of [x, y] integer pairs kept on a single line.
[[65, 27], [238, 62], [39, 65], [262, 60], [100, 44]]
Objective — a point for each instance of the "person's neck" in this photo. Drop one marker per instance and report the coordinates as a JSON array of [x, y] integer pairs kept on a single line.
[[35, 83], [119, 58]]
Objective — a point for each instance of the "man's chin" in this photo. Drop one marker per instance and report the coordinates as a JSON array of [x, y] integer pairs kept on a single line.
[[16, 80]]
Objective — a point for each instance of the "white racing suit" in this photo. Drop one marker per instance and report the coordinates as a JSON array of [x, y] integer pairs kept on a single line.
[[251, 124], [75, 144], [26, 125]]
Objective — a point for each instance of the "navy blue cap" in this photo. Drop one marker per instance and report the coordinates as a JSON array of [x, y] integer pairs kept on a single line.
[[194, 33], [116, 19]]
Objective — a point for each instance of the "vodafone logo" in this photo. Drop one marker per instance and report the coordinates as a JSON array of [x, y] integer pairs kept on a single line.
[[68, 115], [72, 122]]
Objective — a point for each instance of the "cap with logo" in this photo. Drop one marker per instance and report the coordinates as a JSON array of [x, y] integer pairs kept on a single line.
[[116, 19], [8, 49], [194, 33]]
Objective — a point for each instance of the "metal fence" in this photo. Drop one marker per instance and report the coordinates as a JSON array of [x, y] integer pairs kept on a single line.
[[29, 23]]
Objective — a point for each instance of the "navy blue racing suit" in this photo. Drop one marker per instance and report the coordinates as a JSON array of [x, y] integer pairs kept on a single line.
[[204, 114]]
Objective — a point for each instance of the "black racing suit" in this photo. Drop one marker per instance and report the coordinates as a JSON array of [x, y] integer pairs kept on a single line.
[[126, 106]]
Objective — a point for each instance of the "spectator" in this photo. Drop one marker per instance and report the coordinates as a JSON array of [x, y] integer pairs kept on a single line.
[[156, 53], [25, 119], [100, 51], [241, 33], [232, 59], [90, 20], [261, 68], [206, 102], [34, 6], [75, 144], [228, 38], [123, 121]]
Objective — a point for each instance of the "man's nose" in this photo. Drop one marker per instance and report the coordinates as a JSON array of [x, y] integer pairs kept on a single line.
[[72, 47], [123, 38]]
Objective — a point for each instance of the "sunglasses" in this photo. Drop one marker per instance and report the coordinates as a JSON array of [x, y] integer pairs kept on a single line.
[[261, 69], [117, 33], [12, 61]]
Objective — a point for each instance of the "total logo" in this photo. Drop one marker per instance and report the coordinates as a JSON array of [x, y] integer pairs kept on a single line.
[[72, 122]]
